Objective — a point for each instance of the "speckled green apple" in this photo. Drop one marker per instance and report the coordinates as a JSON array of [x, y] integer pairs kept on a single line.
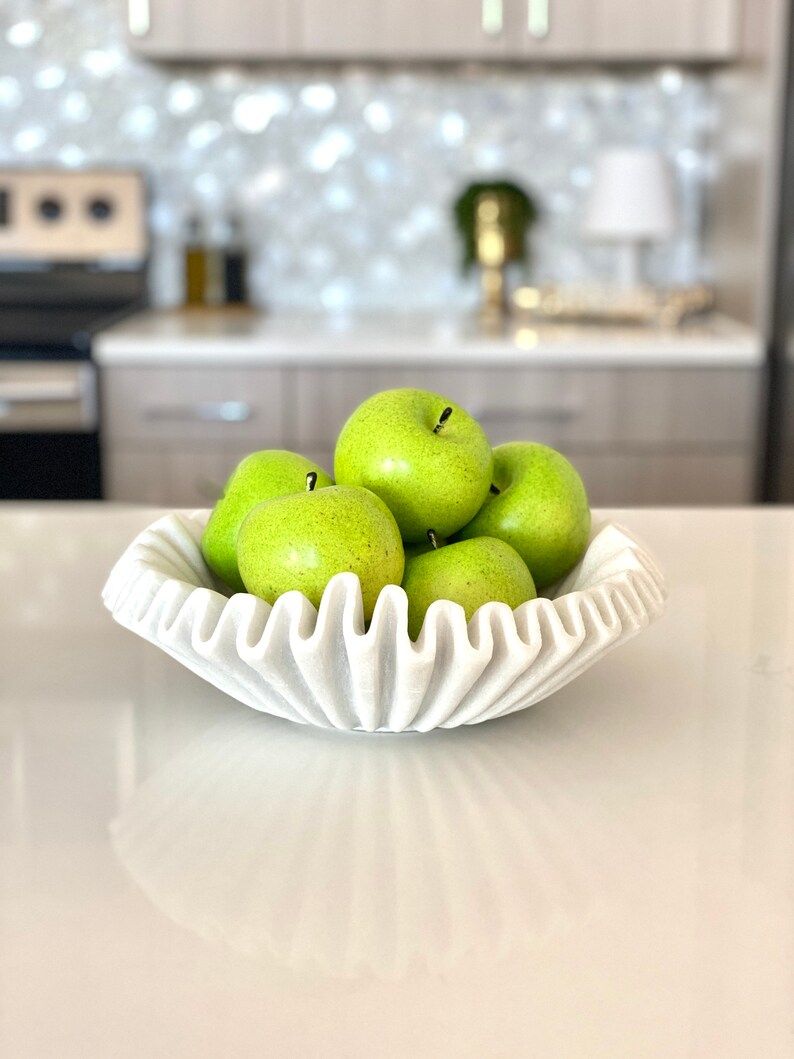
[[423, 455], [300, 542], [541, 509], [471, 573], [261, 476]]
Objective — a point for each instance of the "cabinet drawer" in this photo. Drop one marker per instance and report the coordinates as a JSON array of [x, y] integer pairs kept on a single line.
[[553, 406], [170, 476], [693, 478], [194, 403], [599, 408], [684, 405]]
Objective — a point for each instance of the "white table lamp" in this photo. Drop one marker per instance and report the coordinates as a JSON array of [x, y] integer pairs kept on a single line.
[[631, 203]]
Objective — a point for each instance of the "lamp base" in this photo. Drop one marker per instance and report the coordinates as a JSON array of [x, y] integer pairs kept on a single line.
[[627, 265]]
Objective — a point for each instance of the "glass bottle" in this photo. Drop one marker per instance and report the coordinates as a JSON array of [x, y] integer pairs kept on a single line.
[[236, 263], [195, 263]]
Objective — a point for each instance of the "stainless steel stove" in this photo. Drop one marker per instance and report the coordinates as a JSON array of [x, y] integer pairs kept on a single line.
[[73, 255]]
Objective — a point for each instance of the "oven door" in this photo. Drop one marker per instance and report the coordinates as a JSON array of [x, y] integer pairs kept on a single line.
[[49, 448]]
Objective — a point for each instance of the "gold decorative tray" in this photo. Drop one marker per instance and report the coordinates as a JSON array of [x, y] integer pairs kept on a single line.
[[609, 305]]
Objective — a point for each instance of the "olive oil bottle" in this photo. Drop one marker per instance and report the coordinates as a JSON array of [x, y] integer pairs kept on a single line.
[[196, 262]]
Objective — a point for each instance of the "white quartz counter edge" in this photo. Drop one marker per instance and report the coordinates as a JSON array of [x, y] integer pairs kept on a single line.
[[171, 338]]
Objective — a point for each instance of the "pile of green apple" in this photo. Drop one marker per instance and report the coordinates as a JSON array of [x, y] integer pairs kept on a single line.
[[420, 500]]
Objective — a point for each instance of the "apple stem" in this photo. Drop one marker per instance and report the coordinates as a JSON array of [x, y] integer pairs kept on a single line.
[[431, 536], [495, 489], [442, 420], [311, 481]]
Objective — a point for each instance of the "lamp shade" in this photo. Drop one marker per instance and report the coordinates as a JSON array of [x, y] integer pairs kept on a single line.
[[631, 197]]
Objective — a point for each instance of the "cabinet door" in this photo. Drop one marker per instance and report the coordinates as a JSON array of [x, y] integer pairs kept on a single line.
[[135, 476], [242, 29], [687, 406], [158, 27], [405, 28], [625, 29], [653, 479], [176, 476], [688, 29]]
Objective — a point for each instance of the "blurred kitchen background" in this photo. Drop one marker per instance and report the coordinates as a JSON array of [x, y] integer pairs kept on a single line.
[[224, 225]]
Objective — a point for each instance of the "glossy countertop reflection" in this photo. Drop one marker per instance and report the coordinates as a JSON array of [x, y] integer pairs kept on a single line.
[[608, 873], [242, 336]]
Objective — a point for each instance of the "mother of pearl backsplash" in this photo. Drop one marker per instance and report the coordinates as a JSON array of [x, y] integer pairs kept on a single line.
[[344, 175]]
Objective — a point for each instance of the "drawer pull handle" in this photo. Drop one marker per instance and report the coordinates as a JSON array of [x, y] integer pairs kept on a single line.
[[538, 18], [38, 393], [202, 412], [492, 17], [139, 17], [555, 414]]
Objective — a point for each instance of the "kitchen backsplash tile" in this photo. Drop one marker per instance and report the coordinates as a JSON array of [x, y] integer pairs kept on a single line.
[[345, 175]]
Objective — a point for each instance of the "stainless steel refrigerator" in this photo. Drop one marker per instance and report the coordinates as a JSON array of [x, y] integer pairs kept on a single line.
[[778, 484]]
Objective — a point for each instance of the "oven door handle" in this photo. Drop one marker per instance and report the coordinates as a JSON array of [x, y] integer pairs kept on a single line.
[[29, 392]]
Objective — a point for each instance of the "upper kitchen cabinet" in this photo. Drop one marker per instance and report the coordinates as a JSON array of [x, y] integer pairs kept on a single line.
[[426, 30], [619, 30], [213, 30], [405, 29], [651, 29], [627, 30]]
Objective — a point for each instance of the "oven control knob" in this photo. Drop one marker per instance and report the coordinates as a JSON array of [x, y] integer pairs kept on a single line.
[[50, 208], [100, 209]]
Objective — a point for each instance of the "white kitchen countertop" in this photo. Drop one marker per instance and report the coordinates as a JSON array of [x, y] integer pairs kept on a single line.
[[610, 873], [240, 336]]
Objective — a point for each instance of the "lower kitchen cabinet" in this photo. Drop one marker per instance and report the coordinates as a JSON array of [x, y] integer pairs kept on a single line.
[[655, 478], [174, 475], [639, 436], [651, 478]]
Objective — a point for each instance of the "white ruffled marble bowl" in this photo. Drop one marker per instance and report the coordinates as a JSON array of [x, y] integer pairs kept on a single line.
[[322, 667]]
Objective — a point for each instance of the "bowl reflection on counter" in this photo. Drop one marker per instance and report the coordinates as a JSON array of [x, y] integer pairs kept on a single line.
[[345, 855]]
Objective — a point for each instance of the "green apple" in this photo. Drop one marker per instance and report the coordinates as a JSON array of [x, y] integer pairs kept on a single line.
[[423, 455], [261, 476], [538, 505], [471, 572], [299, 542]]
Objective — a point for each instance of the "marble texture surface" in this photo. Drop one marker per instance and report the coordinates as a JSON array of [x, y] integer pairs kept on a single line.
[[345, 175], [610, 873], [321, 667], [225, 337]]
